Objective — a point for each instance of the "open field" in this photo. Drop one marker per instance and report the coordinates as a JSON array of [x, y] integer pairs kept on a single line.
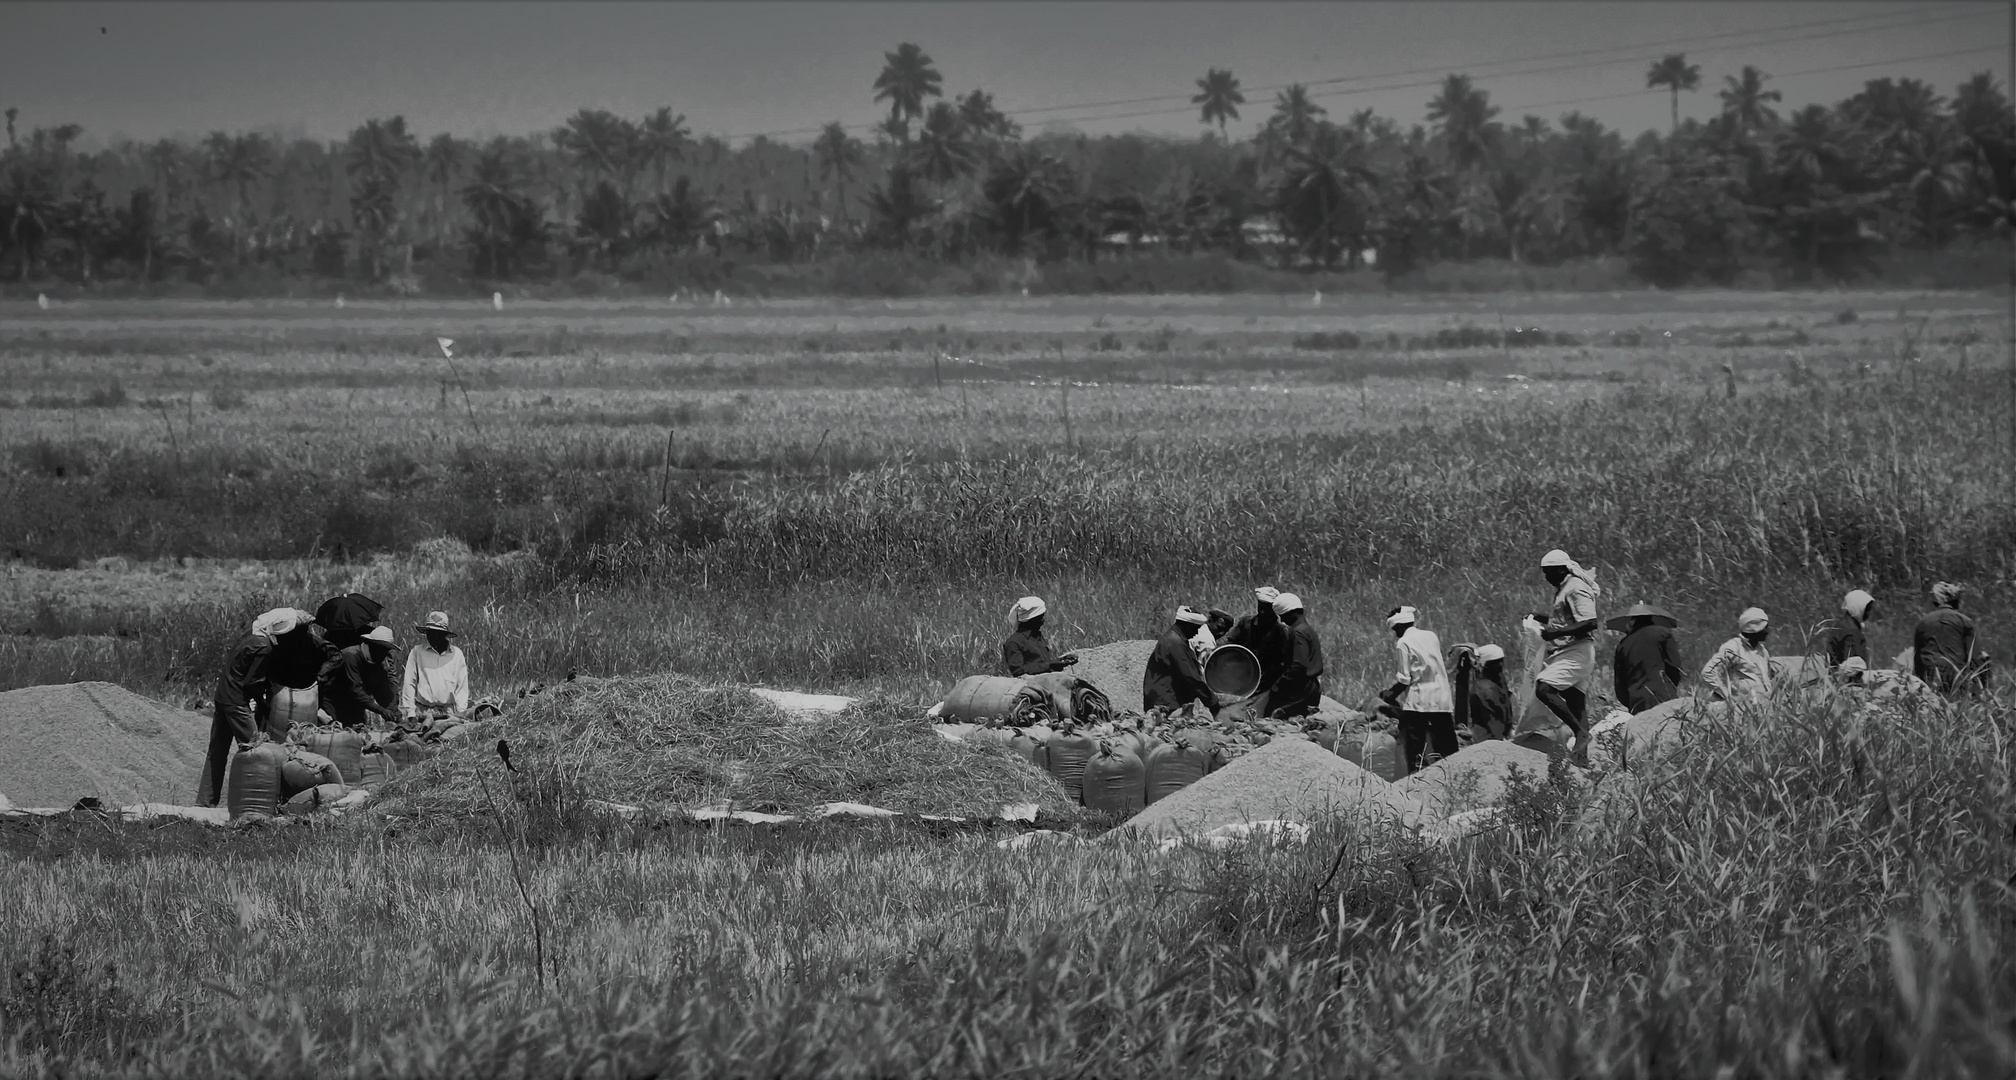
[[816, 496]]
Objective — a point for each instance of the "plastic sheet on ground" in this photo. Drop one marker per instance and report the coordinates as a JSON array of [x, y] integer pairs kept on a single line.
[[1272, 831], [741, 817], [624, 810], [1019, 812], [803, 704], [851, 809], [1037, 838]]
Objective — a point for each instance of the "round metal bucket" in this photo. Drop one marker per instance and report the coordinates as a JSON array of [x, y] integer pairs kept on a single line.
[[1232, 669]]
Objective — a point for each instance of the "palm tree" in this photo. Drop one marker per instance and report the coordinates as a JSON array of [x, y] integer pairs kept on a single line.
[[1676, 74], [441, 162], [985, 122], [943, 152], [601, 144], [1025, 190], [1746, 103], [838, 155], [663, 137], [907, 79], [1295, 115], [1464, 114], [238, 161], [1325, 195], [1219, 97]]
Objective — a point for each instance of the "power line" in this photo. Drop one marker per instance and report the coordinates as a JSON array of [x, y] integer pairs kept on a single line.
[[1784, 75], [1886, 21]]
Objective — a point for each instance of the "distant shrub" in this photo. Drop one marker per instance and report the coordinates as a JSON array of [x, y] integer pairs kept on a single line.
[[56, 460], [226, 398], [110, 396], [1334, 341], [356, 525], [1845, 316], [1108, 342]]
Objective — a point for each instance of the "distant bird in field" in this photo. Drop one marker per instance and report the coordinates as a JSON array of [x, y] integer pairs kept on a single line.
[[42, 301], [497, 301], [1319, 299], [504, 751], [339, 301]]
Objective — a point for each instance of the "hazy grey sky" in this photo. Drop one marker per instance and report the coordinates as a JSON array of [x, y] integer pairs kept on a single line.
[[479, 68]]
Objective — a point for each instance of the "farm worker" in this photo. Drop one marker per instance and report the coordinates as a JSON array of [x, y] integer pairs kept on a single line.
[[1646, 670], [1203, 641], [1840, 638], [242, 687], [437, 677], [1943, 650], [1266, 637], [1299, 690], [301, 657], [360, 684], [1490, 701], [1216, 625], [1740, 671], [1420, 692], [1570, 634], [1026, 651], [1173, 677]]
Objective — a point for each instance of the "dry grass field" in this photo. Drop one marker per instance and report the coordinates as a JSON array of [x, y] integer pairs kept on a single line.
[[848, 496]]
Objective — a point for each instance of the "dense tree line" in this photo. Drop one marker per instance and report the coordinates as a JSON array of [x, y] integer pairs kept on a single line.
[[1818, 191]]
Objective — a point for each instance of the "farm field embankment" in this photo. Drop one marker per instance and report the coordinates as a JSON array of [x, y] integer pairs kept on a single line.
[[841, 507]]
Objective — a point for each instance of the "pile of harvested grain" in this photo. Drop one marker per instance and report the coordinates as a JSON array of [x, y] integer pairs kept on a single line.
[[666, 741], [59, 744], [1289, 780], [1116, 669], [1475, 778]]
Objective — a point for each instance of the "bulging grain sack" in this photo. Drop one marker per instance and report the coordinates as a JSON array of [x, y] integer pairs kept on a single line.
[[406, 753], [252, 786], [289, 707], [374, 768], [1170, 767], [1025, 743], [340, 745], [1064, 757], [1114, 781], [303, 770], [313, 799]]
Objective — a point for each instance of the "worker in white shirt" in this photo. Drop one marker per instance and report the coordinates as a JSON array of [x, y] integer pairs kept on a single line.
[[1420, 693], [436, 685], [1740, 671]]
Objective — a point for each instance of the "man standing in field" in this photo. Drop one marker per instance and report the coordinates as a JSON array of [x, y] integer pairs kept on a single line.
[[1299, 690], [1027, 651], [1646, 670], [436, 685], [1943, 649], [1266, 637], [1841, 637], [1570, 633], [1420, 692], [242, 689], [1173, 677], [359, 686], [1740, 671]]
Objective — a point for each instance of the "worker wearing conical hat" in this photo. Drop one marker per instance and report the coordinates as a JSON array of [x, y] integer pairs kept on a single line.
[[1646, 669], [1173, 677], [1740, 671], [1027, 651]]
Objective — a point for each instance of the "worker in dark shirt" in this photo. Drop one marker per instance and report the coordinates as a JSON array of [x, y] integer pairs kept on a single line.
[[1943, 650], [242, 688], [1299, 690], [1173, 677], [1265, 636], [1026, 651], [301, 658], [1841, 637], [1490, 702], [359, 687], [1646, 670]]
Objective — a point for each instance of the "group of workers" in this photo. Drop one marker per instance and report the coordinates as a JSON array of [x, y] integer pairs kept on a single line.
[[349, 658], [1646, 668]]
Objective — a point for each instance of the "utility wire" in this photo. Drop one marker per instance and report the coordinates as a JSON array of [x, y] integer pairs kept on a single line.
[[1784, 75], [1887, 21]]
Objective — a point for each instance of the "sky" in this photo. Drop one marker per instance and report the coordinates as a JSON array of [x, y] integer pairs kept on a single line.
[[478, 67]]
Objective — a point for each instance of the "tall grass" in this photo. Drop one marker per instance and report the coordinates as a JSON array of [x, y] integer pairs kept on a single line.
[[1813, 894]]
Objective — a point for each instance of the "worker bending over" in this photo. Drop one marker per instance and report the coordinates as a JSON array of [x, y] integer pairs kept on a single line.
[[1263, 634], [1841, 637], [1299, 690], [1420, 692], [359, 687], [1027, 651], [1490, 700], [1174, 678], [242, 689], [1646, 670]]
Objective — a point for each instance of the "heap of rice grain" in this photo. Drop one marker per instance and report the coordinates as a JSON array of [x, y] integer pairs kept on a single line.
[[1475, 778], [1116, 669], [1288, 779], [59, 744]]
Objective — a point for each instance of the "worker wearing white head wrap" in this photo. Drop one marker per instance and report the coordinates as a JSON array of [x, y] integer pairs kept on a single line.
[[1490, 699], [1570, 633], [1740, 671], [1841, 636], [1420, 692], [1267, 638], [1299, 690], [1174, 676], [1026, 651], [243, 687]]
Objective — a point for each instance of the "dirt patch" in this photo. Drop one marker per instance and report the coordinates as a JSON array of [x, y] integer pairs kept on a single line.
[[59, 744], [1476, 777], [1116, 669], [1289, 779]]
